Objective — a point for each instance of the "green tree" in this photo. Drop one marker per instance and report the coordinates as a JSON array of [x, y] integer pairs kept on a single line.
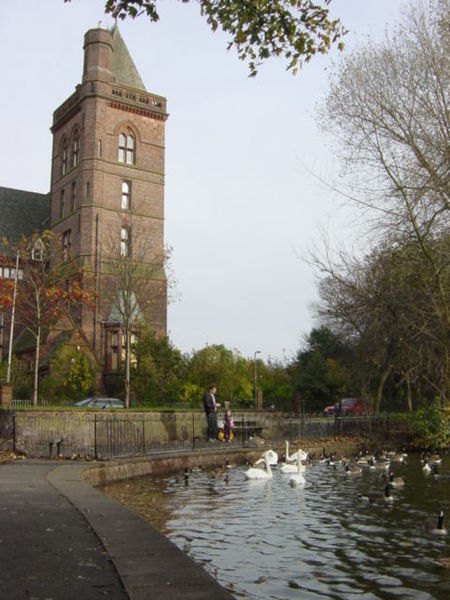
[[276, 384], [430, 427], [71, 376], [21, 379], [294, 29], [319, 372], [224, 367], [158, 369], [384, 304]]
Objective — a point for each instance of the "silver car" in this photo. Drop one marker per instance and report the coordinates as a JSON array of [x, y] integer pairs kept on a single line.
[[100, 403]]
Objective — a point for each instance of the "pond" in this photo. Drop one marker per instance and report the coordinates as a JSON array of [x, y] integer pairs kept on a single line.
[[268, 540]]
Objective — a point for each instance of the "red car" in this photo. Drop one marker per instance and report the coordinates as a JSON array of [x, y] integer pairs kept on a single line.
[[349, 406]]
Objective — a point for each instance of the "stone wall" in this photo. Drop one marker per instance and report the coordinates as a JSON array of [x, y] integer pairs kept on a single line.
[[114, 434], [106, 434]]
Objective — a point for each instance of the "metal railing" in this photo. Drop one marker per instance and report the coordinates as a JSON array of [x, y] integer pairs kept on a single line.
[[113, 435]]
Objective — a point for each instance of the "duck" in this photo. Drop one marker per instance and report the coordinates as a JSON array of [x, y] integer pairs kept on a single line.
[[261, 474], [377, 466], [297, 479], [352, 470], [377, 497], [294, 467], [364, 458], [436, 528], [399, 457], [438, 475], [396, 482]]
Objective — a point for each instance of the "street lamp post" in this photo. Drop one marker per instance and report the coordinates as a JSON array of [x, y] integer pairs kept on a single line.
[[256, 379], [11, 330]]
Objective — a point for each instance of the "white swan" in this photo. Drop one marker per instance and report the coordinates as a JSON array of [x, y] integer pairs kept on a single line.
[[255, 473], [271, 455], [289, 459], [298, 479], [295, 468]]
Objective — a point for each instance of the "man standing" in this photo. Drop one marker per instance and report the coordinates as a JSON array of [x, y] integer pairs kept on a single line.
[[210, 405]]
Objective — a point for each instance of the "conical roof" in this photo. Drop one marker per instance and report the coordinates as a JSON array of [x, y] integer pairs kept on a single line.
[[123, 66]]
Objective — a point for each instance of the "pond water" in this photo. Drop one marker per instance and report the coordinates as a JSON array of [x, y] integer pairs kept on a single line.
[[268, 540]]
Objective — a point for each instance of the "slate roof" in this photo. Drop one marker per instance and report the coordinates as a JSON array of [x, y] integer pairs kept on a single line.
[[22, 213], [123, 66]]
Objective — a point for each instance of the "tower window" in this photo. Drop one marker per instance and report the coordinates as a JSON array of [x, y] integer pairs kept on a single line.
[[62, 201], [88, 190], [126, 148], [76, 150], [64, 158], [73, 196], [126, 195], [66, 243], [124, 241]]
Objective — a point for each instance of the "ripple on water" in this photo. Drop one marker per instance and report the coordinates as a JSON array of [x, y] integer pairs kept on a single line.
[[265, 540]]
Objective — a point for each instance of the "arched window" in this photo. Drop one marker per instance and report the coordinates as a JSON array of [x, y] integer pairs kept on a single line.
[[126, 148], [64, 157], [76, 149]]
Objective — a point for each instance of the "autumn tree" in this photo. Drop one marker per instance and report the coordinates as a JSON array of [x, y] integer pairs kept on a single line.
[[48, 289], [294, 29]]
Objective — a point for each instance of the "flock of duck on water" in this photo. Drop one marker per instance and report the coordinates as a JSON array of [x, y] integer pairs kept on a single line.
[[296, 464]]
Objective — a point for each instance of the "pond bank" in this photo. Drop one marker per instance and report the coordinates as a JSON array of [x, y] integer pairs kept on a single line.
[[100, 474]]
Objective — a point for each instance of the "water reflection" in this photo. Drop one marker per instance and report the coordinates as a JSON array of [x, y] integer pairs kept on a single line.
[[264, 539]]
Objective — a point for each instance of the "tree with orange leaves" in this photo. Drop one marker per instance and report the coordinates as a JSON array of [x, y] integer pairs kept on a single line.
[[49, 288]]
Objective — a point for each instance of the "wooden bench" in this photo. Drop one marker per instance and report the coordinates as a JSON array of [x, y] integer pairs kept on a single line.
[[246, 428]]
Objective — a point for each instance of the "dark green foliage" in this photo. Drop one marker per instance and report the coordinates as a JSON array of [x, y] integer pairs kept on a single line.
[[158, 370], [294, 29], [71, 377], [319, 372], [430, 426], [21, 378]]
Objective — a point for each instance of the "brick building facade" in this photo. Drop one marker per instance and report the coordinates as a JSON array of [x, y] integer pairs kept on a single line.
[[107, 187]]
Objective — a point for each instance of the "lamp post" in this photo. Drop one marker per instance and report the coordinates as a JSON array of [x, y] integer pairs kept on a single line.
[[11, 330], [256, 379]]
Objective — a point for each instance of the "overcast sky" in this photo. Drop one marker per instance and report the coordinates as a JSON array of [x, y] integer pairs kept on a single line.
[[241, 204]]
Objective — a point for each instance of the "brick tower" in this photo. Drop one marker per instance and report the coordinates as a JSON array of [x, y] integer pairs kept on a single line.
[[107, 184]]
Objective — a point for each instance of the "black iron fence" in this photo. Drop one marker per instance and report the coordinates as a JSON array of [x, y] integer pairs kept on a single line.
[[114, 435]]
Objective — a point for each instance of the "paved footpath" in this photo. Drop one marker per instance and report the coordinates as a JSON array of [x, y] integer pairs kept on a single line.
[[60, 539]]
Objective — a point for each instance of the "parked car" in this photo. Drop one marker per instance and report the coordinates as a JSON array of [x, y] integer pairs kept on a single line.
[[100, 403], [349, 406]]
